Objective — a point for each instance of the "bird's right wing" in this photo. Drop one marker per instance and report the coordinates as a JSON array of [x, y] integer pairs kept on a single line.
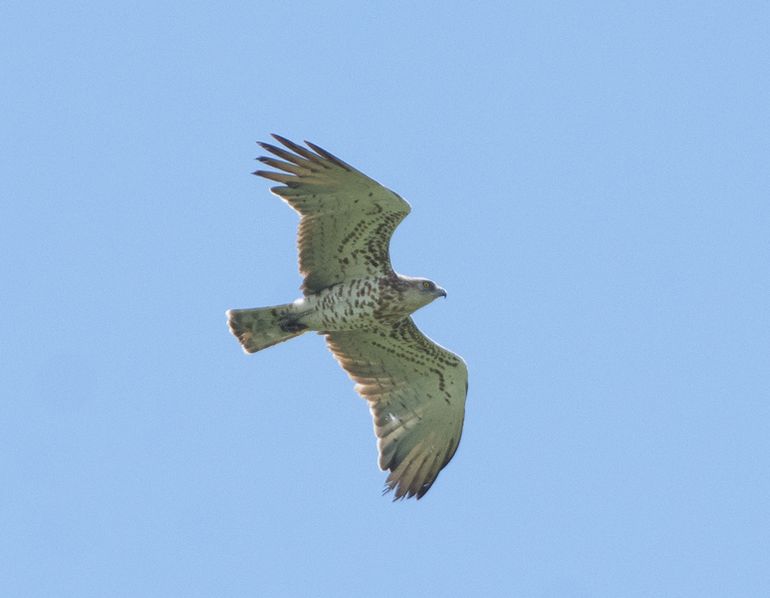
[[347, 218], [416, 391]]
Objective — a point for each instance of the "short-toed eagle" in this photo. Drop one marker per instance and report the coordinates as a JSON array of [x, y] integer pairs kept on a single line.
[[416, 389]]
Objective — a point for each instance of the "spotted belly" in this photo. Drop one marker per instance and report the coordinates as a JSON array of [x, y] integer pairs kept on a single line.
[[350, 305]]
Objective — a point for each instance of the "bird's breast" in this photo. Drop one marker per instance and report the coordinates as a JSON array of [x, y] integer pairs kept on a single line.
[[352, 305]]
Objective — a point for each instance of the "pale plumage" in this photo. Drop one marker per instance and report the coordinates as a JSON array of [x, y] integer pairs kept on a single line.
[[415, 388], [347, 218]]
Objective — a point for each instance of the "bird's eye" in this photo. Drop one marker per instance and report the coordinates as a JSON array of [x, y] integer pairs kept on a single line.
[[426, 285]]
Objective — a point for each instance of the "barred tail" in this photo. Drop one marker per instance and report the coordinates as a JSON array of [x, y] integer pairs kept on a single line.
[[257, 329]]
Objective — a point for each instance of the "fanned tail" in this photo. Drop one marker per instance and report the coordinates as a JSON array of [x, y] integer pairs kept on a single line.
[[263, 327]]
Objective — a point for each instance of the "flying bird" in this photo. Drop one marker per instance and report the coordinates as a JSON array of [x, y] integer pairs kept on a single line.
[[416, 389]]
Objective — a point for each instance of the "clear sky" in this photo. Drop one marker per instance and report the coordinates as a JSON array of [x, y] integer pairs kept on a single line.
[[589, 181]]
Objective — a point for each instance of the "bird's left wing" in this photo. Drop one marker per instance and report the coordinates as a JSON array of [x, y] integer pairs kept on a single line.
[[347, 218], [416, 391]]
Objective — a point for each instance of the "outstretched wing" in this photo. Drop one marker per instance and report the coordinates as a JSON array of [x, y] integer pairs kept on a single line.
[[347, 218], [416, 392]]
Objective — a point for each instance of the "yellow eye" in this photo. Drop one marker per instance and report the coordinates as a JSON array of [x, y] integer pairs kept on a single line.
[[425, 284]]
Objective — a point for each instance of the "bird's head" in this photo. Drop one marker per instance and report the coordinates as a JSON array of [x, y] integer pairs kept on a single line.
[[418, 292]]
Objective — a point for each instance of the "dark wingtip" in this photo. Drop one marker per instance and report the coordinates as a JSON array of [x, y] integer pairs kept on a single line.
[[280, 138], [387, 489], [295, 147], [329, 156], [318, 150]]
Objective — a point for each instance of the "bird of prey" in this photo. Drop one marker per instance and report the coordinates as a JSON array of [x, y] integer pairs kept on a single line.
[[416, 389]]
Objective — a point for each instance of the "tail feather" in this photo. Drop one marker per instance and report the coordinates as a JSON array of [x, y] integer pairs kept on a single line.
[[257, 329]]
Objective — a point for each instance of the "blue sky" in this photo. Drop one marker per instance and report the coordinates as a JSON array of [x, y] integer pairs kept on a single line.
[[590, 183]]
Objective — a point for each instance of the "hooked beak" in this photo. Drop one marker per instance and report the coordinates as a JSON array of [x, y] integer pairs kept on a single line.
[[440, 292]]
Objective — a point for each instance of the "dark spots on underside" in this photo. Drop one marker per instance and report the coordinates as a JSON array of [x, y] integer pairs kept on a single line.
[[441, 381]]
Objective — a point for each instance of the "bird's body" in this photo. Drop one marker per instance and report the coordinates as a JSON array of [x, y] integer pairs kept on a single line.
[[351, 294], [361, 303], [353, 305]]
